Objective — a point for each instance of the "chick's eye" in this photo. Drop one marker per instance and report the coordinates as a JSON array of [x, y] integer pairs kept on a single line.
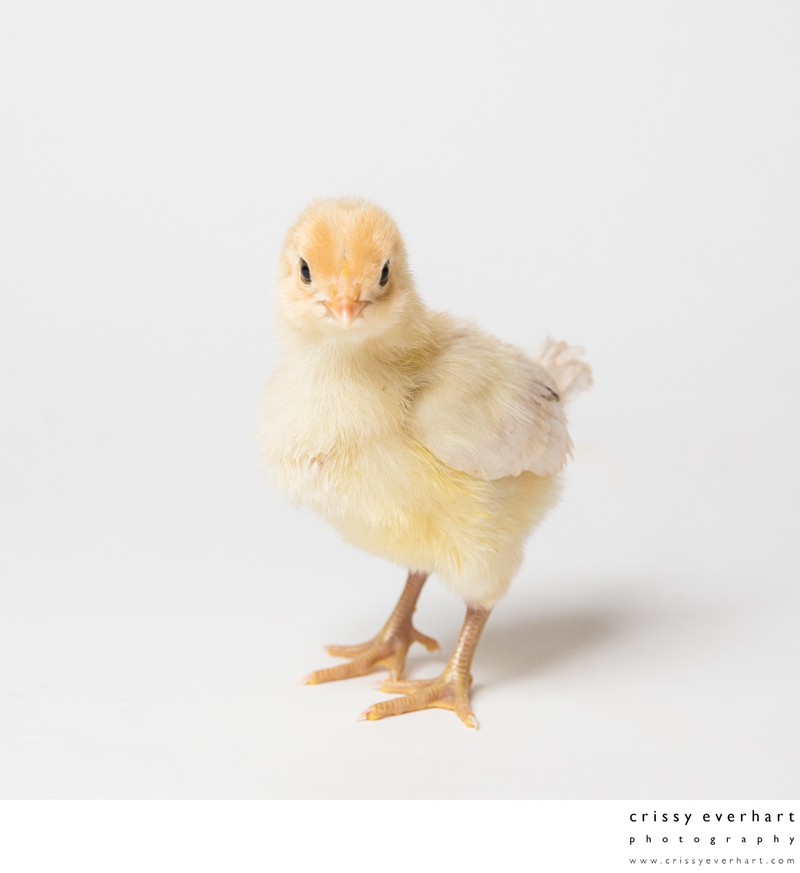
[[305, 273], [384, 274]]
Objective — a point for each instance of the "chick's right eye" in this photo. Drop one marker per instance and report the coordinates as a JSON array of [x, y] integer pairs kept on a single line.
[[305, 273]]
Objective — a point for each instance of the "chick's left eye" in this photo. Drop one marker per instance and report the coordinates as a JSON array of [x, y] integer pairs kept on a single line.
[[384, 274], [305, 273]]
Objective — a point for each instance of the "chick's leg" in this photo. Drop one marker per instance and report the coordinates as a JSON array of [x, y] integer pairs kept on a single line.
[[448, 691], [387, 649]]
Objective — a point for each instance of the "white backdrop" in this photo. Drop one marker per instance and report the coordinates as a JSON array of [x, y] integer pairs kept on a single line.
[[624, 176]]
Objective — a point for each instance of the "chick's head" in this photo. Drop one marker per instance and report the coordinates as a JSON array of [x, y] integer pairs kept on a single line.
[[343, 273]]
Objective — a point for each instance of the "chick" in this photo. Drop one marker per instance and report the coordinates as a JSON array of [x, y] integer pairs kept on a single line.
[[419, 437]]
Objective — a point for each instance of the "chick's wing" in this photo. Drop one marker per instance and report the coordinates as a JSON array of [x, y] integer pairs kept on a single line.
[[488, 410]]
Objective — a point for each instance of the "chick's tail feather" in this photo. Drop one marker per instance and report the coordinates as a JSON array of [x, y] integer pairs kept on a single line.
[[563, 362]]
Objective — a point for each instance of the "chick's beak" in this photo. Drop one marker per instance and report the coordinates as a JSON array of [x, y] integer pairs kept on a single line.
[[345, 310]]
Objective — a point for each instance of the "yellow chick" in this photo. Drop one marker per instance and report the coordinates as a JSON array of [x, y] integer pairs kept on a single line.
[[419, 437]]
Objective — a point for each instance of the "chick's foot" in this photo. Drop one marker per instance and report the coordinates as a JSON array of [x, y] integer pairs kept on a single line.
[[388, 649], [448, 691]]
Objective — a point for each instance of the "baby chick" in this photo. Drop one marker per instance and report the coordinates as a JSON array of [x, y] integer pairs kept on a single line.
[[419, 437]]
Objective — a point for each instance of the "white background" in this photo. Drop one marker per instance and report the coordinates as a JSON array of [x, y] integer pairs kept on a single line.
[[624, 176]]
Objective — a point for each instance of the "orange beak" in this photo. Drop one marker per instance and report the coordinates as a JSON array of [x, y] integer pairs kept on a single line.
[[345, 310]]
